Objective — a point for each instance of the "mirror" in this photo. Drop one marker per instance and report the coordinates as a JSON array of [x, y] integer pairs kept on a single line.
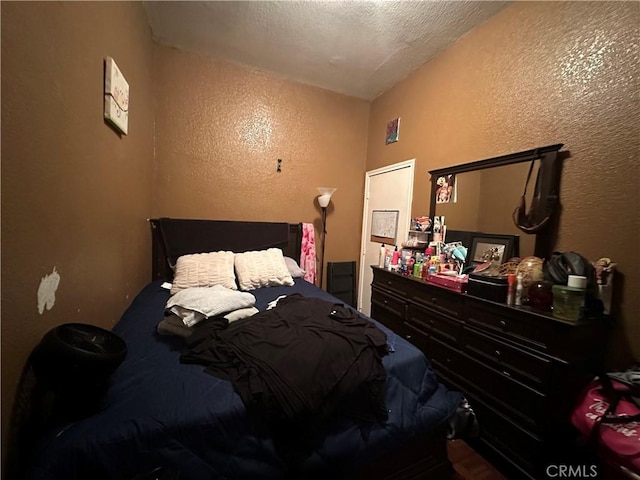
[[485, 200], [485, 194]]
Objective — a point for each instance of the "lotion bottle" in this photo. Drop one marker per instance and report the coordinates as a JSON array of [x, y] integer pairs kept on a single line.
[[518, 299], [396, 256], [382, 255], [511, 292]]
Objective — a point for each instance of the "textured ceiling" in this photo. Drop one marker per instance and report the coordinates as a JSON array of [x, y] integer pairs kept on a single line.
[[355, 48]]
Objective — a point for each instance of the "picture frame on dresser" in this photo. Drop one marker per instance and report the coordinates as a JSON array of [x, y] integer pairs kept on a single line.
[[492, 248]]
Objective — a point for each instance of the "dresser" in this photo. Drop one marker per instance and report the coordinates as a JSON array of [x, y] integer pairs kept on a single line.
[[520, 370]]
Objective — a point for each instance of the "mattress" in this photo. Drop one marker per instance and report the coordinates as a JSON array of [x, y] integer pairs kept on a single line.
[[162, 415]]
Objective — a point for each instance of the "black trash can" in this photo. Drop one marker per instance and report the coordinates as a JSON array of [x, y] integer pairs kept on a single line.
[[65, 379], [73, 363]]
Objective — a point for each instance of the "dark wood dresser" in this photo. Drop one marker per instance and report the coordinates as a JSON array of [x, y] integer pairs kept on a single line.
[[520, 370]]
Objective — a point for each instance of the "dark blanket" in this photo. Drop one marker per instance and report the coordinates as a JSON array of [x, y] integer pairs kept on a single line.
[[299, 364], [163, 413]]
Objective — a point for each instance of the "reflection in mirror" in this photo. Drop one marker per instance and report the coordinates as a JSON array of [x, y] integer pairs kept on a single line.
[[485, 201]]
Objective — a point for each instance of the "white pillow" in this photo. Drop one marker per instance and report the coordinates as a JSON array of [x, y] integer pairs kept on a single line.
[[204, 270], [193, 305], [264, 268], [294, 268]]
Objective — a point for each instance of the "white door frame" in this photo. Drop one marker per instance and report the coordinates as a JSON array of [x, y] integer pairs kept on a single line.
[[402, 230]]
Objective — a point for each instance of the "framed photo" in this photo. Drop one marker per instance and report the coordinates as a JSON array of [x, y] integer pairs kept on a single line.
[[446, 191], [393, 130], [495, 249]]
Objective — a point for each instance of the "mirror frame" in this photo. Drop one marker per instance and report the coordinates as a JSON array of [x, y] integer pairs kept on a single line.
[[545, 239]]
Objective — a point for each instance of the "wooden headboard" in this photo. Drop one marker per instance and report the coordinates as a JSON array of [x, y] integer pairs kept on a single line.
[[172, 237]]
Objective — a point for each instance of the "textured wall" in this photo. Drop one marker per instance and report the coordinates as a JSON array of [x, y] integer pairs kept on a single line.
[[220, 129], [539, 73], [75, 195]]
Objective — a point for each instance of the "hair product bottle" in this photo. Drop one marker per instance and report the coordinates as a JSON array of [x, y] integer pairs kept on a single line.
[[518, 299], [396, 256], [382, 255], [511, 292]]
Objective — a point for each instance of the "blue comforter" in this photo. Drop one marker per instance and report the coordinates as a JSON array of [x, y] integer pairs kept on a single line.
[[161, 413]]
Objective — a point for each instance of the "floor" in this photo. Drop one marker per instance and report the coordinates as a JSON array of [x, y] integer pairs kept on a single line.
[[469, 465]]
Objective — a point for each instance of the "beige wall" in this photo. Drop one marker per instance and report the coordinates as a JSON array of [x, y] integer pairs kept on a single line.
[[535, 74], [75, 195], [220, 129]]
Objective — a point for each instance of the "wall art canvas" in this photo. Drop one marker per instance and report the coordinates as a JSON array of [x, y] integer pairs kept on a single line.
[[393, 130]]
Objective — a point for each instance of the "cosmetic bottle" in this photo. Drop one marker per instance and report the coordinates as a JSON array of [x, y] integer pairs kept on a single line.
[[381, 256], [433, 265], [395, 257], [518, 295], [394, 264], [511, 292], [417, 269], [579, 282], [567, 302], [411, 262]]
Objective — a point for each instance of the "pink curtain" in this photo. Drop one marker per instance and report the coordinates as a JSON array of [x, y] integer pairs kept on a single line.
[[308, 254]]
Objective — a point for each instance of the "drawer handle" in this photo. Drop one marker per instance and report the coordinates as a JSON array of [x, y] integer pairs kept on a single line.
[[448, 360], [506, 374], [408, 337], [434, 300], [498, 353], [432, 322], [503, 324], [388, 282], [386, 302]]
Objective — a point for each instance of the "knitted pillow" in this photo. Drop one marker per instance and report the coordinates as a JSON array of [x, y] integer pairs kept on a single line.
[[264, 268], [204, 270]]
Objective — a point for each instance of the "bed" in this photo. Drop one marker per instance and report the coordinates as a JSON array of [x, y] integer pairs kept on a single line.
[[166, 419]]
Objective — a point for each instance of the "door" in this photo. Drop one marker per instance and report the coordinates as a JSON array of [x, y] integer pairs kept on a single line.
[[387, 188]]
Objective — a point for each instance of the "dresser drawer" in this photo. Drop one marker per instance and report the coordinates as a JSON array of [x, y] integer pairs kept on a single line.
[[445, 358], [436, 299], [390, 281], [416, 335], [510, 323], [527, 406], [517, 444], [434, 323], [387, 309], [527, 367], [394, 305]]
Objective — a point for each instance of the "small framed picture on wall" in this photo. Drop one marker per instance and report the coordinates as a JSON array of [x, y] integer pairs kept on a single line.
[[393, 130]]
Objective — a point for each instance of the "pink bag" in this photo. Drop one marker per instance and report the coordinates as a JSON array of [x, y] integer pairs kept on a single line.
[[608, 417]]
